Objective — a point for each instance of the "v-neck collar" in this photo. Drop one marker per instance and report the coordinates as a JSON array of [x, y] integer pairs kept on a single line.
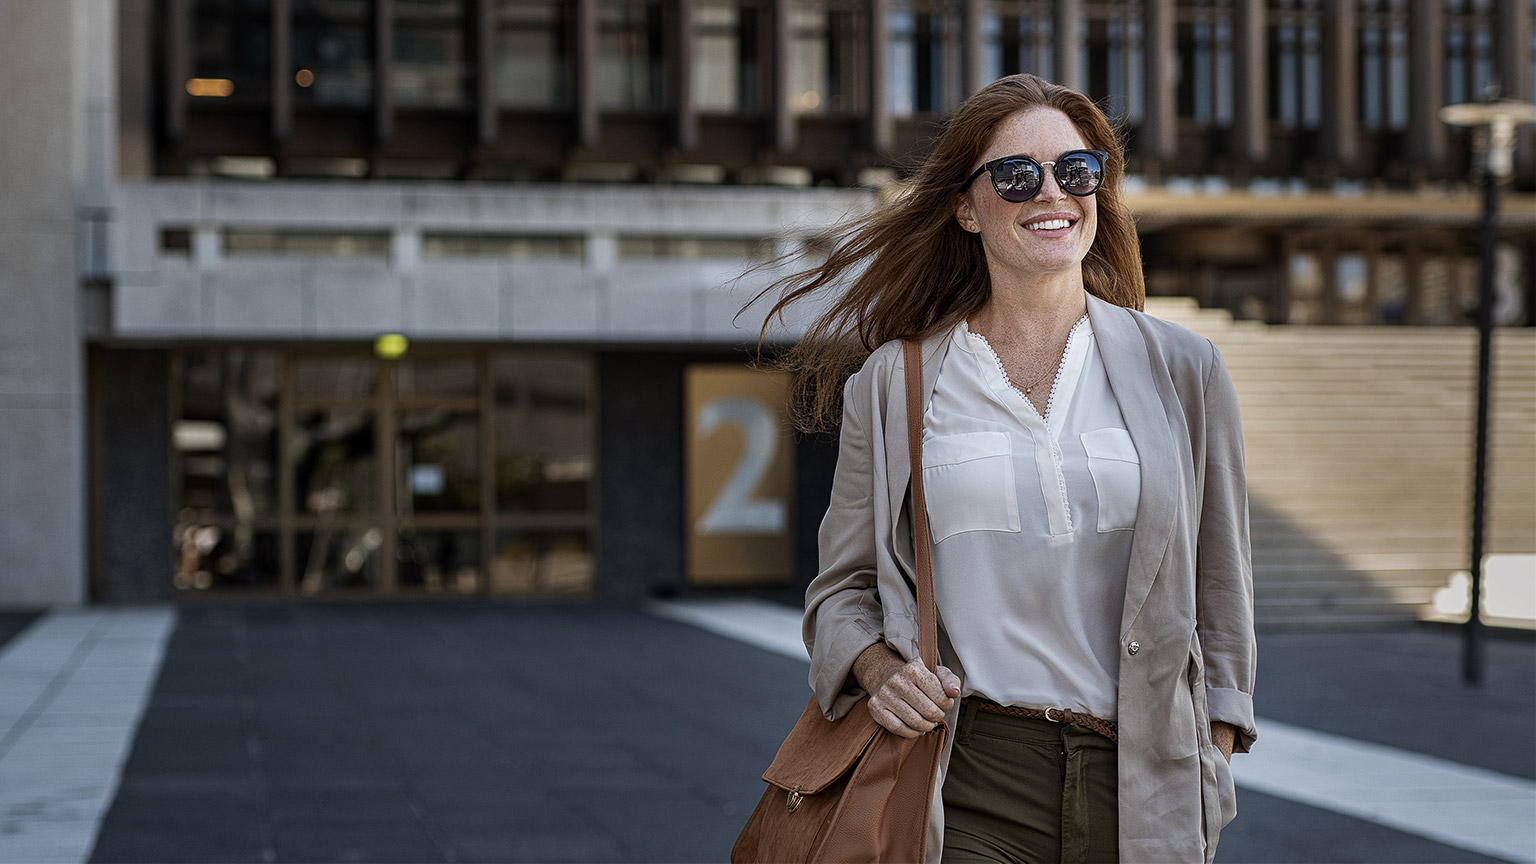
[[1063, 389]]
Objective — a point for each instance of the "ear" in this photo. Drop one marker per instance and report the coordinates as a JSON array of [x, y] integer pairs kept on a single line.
[[965, 214]]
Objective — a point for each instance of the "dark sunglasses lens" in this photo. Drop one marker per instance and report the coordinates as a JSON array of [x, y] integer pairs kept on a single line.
[[1016, 179], [1080, 173]]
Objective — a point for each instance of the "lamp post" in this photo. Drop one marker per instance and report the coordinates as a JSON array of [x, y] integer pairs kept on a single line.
[[1493, 123]]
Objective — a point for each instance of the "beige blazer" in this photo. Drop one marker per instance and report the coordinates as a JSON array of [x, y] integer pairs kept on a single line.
[[1187, 629]]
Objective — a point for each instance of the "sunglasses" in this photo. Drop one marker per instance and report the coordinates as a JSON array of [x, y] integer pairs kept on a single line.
[[1019, 178]]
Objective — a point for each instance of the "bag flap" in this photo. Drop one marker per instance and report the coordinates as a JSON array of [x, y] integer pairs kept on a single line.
[[818, 750]]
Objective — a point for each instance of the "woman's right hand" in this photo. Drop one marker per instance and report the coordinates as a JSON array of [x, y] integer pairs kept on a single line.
[[904, 697]]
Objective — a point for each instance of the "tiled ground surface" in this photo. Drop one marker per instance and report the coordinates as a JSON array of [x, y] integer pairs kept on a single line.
[[493, 732]]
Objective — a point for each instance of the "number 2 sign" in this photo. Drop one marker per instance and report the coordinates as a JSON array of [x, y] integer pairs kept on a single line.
[[740, 463]]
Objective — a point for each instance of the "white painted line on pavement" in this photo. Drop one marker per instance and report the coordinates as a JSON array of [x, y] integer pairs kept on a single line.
[[771, 626], [73, 687], [1456, 804], [1459, 805]]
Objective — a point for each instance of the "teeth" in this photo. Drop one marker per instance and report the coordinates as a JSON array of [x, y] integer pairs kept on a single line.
[[1047, 225]]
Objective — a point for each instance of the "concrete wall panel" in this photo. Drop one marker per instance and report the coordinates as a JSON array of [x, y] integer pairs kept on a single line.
[[651, 313], [42, 482], [135, 494], [337, 205], [40, 296], [256, 298], [37, 128], [168, 302], [456, 300], [352, 299], [551, 301]]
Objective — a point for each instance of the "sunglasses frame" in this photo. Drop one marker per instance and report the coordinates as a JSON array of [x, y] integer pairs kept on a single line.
[[990, 166]]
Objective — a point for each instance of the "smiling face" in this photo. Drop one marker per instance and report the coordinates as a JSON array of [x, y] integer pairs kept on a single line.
[[1048, 235]]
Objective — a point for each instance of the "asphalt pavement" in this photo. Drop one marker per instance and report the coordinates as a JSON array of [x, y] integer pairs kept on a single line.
[[584, 732]]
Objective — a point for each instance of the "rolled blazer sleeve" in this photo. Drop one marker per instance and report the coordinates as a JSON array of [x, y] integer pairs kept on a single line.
[[1224, 564], [843, 614]]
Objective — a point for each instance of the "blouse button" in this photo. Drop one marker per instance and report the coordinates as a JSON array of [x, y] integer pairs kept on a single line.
[[1132, 648]]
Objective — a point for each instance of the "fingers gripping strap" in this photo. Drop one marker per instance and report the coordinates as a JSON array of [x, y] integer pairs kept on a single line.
[[927, 614]]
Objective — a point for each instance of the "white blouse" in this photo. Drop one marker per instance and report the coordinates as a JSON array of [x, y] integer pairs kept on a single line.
[[1032, 521]]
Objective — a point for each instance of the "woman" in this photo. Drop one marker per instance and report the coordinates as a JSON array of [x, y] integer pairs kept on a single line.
[[1084, 478]]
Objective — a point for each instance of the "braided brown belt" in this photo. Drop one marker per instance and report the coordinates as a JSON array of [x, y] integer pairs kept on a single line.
[[1108, 728]]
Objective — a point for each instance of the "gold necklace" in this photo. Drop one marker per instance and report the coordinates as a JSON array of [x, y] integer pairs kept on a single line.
[[1050, 372]]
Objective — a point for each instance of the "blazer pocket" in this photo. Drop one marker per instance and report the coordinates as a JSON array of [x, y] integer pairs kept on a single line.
[[1116, 471], [968, 481]]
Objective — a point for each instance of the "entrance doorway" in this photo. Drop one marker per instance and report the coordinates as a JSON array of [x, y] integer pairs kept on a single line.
[[336, 473]]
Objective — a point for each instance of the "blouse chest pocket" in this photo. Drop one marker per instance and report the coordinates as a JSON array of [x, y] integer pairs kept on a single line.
[[1116, 473], [968, 481]]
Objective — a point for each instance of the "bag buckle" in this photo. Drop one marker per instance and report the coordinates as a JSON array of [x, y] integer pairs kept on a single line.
[[794, 799]]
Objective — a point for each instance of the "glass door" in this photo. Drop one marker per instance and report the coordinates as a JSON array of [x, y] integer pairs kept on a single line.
[[384, 491], [440, 491], [334, 535]]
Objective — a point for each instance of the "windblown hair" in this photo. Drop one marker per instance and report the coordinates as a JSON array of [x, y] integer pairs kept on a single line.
[[914, 271]]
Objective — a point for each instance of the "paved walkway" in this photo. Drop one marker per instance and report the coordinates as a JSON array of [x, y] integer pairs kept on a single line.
[[72, 687], [500, 732], [1460, 805]]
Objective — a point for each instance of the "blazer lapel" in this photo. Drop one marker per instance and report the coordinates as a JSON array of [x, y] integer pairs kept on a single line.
[[1124, 351], [897, 461]]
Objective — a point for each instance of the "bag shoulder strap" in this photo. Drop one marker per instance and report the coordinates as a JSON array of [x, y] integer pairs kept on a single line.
[[927, 612]]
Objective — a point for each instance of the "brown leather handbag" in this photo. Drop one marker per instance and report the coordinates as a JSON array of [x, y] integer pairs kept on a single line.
[[847, 790]]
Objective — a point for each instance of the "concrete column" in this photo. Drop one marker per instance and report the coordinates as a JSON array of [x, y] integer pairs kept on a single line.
[[785, 123], [485, 71], [1159, 129], [135, 88], [1250, 121], [686, 130], [42, 441], [1426, 84], [282, 69], [383, 70], [584, 57], [973, 45], [178, 65], [1341, 93], [1066, 47], [882, 131]]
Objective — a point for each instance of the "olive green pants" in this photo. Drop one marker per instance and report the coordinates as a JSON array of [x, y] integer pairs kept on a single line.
[[1029, 792]]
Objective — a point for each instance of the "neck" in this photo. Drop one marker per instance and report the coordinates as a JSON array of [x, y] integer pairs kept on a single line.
[[1035, 308]]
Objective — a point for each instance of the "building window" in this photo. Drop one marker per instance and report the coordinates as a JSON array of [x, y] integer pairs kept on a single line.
[[630, 68], [502, 246], [1384, 65], [431, 67], [1114, 58], [310, 244], [924, 61], [543, 474], [1468, 50], [695, 248], [332, 52], [232, 42], [1205, 62], [823, 59], [726, 71], [1296, 63], [1019, 39], [531, 64]]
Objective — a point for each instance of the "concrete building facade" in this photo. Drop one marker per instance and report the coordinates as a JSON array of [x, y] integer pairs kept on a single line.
[[212, 210]]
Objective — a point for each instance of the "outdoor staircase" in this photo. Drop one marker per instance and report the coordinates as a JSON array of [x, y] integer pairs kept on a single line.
[[1359, 446]]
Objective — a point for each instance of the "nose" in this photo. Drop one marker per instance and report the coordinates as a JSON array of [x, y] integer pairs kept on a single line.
[[1050, 189]]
